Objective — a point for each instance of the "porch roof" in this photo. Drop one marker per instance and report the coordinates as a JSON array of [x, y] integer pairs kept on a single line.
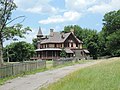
[[86, 51], [68, 50], [49, 49]]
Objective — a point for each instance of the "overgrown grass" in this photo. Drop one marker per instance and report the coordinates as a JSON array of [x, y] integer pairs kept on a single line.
[[103, 76]]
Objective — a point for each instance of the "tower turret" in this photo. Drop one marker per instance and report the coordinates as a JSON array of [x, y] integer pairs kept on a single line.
[[39, 33], [39, 36]]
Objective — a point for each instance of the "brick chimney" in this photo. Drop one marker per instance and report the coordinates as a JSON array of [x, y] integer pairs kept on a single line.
[[51, 32]]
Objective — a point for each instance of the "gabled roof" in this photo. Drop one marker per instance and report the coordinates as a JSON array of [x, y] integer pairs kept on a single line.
[[58, 38]]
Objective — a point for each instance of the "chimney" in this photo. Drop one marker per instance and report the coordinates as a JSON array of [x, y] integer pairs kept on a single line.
[[51, 32], [62, 35]]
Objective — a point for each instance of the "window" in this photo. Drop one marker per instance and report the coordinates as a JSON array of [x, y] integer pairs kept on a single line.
[[67, 44], [55, 45], [71, 44], [76, 44], [61, 45], [47, 45]]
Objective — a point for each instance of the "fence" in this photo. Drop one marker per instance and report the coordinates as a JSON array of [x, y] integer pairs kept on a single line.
[[14, 69], [62, 61]]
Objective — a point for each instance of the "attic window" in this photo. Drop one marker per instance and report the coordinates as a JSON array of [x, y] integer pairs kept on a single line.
[[71, 44], [76, 44]]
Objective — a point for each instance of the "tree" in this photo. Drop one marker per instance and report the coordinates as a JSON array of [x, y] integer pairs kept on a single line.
[[111, 29], [34, 42], [19, 51], [92, 44], [63, 53], [9, 32]]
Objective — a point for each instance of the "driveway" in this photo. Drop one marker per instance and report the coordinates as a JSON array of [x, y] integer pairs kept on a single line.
[[38, 80]]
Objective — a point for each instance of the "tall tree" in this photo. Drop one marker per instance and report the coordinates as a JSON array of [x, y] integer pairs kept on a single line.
[[111, 29], [6, 8]]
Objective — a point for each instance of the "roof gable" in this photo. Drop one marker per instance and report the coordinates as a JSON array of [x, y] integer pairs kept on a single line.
[[79, 41]]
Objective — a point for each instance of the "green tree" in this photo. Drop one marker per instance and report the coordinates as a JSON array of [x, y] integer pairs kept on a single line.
[[111, 31], [63, 53], [92, 44], [19, 51], [34, 42], [9, 32]]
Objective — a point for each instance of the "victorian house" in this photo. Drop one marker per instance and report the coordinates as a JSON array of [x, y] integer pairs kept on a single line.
[[50, 46]]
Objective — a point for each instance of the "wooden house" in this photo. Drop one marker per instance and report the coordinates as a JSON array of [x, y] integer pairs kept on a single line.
[[50, 46]]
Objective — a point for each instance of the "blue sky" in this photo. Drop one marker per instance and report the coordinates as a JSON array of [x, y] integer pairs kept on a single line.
[[58, 13]]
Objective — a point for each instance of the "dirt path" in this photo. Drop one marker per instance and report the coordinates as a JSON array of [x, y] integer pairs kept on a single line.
[[36, 81]]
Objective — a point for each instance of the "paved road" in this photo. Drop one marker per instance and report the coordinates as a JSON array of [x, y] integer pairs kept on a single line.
[[36, 81]]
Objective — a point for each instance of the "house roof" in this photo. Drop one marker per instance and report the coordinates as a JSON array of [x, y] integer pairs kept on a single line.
[[86, 51], [58, 37], [68, 50]]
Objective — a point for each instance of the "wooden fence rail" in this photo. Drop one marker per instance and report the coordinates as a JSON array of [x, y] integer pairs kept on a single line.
[[15, 69]]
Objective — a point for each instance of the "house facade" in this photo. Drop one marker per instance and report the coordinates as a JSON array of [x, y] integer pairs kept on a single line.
[[51, 46]]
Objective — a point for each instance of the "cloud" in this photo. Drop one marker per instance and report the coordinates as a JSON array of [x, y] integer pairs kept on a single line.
[[94, 6], [36, 6], [104, 7], [42, 9], [67, 16], [78, 5]]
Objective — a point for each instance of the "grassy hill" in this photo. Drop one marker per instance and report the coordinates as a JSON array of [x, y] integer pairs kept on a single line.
[[103, 76]]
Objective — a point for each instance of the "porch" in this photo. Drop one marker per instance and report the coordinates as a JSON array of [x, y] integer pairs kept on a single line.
[[48, 53]]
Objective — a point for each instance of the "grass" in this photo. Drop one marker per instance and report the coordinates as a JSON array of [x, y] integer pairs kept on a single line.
[[48, 67], [103, 76]]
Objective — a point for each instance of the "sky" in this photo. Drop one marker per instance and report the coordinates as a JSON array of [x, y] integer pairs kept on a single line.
[[56, 14]]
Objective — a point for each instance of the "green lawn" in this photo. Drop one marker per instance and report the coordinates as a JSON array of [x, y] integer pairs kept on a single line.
[[103, 76]]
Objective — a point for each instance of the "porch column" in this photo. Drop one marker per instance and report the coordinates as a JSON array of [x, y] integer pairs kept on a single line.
[[55, 53], [46, 54]]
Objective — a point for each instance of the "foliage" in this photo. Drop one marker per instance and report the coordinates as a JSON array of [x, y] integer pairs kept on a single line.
[[19, 51], [111, 30], [34, 42], [13, 31], [63, 53]]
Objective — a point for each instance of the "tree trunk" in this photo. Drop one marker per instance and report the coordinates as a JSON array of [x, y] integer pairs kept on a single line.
[[1, 51]]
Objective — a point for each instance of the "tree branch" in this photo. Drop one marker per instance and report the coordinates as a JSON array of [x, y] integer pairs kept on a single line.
[[15, 19]]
